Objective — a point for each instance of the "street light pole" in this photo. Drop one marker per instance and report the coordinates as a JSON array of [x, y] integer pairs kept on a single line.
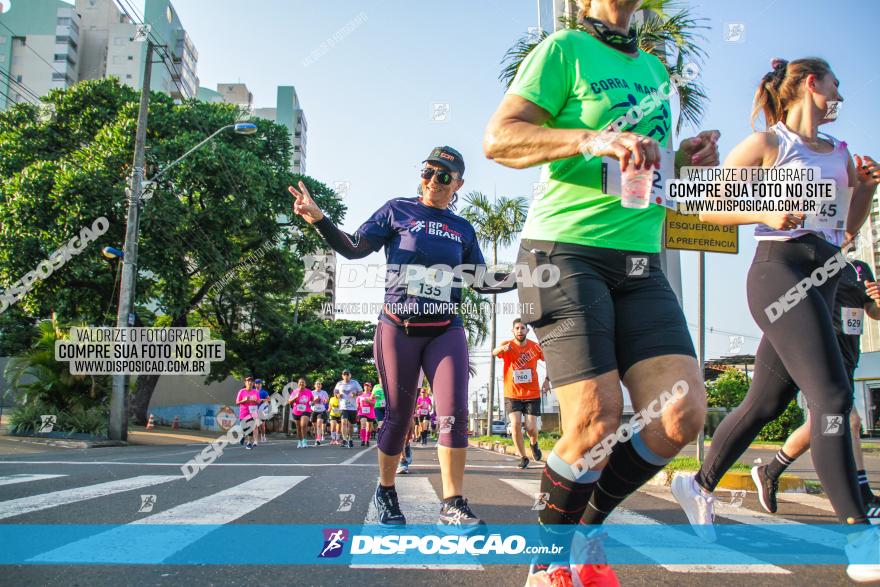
[[124, 317]]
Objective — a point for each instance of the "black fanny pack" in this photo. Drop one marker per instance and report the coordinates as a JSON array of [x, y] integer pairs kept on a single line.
[[430, 325]]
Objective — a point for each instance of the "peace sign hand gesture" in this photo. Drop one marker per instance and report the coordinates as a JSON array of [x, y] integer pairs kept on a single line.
[[304, 205]]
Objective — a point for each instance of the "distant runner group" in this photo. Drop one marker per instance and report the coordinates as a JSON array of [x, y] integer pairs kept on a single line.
[[314, 414]]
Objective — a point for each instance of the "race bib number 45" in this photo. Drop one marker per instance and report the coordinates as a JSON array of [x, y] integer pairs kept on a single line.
[[830, 214]]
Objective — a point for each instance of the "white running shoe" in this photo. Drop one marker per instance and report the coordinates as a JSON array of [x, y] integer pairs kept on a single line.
[[864, 548], [698, 505]]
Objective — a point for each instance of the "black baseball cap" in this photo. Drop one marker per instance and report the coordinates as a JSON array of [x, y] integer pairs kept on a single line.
[[448, 158]]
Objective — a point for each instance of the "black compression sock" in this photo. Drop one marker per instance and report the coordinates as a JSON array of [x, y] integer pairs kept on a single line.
[[626, 471], [865, 487], [564, 502], [778, 464]]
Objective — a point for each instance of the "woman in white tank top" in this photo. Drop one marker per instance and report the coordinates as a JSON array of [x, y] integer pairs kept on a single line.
[[790, 286]]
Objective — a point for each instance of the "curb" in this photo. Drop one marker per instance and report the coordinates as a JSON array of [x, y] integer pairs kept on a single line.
[[734, 480], [67, 443], [503, 449], [147, 435]]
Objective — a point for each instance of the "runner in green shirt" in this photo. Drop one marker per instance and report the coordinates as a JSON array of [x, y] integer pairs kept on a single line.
[[588, 104], [379, 395]]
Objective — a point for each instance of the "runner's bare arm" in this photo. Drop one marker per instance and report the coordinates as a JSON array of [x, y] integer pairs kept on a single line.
[[864, 181], [757, 150], [516, 137], [872, 308]]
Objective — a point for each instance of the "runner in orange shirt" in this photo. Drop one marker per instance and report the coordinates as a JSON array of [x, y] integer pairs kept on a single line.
[[522, 394]]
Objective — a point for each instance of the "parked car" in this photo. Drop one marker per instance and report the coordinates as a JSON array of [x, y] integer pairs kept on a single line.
[[509, 429], [498, 427]]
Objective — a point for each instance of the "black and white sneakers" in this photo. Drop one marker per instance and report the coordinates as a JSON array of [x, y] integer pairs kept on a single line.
[[388, 507]]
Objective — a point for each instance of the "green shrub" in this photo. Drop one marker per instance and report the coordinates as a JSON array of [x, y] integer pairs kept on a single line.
[[92, 421], [27, 419], [784, 425], [729, 390]]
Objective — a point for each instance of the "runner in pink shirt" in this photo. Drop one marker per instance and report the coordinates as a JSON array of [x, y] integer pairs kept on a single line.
[[366, 408], [300, 404], [247, 399], [424, 407]]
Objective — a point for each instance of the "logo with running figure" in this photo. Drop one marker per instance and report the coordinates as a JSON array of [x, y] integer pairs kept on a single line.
[[540, 501], [47, 423], [346, 500], [334, 541], [832, 424], [318, 269], [417, 225], [636, 266], [148, 502], [445, 423]]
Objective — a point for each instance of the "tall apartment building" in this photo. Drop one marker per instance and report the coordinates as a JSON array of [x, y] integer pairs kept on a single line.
[[289, 112], [869, 252], [48, 44], [110, 48], [551, 11], [166, 26], [39, 49]]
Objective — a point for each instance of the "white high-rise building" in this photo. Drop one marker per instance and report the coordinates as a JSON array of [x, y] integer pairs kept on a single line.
[[111, 47], [39, 50], [550, 12], [869, 252]]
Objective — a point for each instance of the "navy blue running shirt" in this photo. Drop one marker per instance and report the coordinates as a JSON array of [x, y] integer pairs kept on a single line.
[[415, 234]]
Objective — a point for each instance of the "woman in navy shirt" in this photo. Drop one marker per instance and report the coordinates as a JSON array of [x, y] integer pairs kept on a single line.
[[429, 251]]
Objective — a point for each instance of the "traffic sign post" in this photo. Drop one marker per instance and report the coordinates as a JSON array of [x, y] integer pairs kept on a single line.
[[687, 232]]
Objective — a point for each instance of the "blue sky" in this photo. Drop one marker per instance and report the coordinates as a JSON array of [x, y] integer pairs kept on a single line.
[[368, 99]]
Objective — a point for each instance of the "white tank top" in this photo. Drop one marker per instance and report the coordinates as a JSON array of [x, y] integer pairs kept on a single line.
[[794, 153]]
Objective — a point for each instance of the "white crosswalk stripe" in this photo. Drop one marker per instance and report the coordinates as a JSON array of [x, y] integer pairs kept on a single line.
[[420, 505], [777, 524], [24, 478], [33, 503], [196, 519], [684, 541]]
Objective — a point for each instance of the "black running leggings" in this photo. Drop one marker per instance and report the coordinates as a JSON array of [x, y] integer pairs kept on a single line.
[[799, 350]]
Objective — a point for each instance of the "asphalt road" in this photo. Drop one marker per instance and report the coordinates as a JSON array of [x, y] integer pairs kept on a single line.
[[307, 484]]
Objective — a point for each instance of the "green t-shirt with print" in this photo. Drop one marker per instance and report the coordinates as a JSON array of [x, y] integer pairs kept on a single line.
[[379, 396], [584, 83]]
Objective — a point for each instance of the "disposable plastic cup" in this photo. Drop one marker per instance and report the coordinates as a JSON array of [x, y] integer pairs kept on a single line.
[[635, 187]]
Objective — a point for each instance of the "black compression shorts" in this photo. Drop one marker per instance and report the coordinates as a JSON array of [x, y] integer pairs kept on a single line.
[[609, 310]]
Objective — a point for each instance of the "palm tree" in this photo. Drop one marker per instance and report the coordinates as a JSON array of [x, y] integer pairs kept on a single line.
[[475, 318], [668, 25], [37, 377], [497, 225]]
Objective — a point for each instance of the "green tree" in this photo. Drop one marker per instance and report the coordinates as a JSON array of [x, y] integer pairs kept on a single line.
[[474, 312], [63, 166], [670, 25], [728, 391], [497, 225]]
